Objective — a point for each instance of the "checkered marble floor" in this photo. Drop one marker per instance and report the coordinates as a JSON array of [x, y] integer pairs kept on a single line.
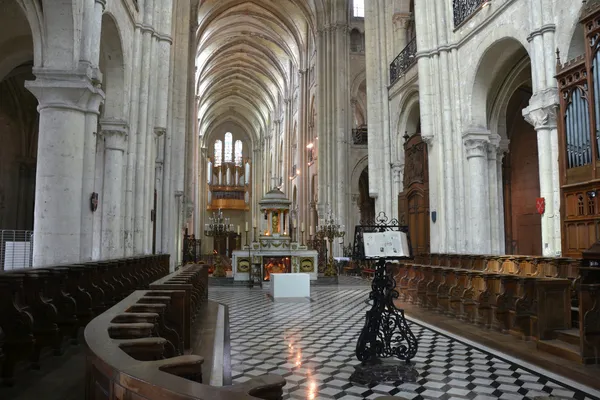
[[312, 344]]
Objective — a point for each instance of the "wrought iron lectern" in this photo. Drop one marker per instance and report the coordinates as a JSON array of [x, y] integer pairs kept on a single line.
[[386, 333]]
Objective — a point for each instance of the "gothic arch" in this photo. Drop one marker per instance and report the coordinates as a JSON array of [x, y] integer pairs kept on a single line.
[[497, 61]]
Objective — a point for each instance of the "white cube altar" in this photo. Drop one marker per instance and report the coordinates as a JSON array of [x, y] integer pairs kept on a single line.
[[290, 285]]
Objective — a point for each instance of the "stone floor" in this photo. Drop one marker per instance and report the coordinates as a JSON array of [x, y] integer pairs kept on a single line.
[[312, 345]]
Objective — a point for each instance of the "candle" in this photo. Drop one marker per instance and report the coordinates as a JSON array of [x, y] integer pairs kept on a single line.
[[302, 227], [254, 222], [238, 229], [246, 226], [310, 231]]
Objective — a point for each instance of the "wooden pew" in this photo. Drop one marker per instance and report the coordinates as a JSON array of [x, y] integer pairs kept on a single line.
[[44, 308], [528, 297], [192, 280], [125, 361]]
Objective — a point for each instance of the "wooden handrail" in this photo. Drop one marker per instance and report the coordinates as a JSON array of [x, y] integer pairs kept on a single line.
[[113, 374]]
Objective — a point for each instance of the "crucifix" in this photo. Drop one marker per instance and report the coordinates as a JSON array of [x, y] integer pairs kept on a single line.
[[274, 182]]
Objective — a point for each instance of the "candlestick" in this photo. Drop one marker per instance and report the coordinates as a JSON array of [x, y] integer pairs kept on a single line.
[[246, 226]]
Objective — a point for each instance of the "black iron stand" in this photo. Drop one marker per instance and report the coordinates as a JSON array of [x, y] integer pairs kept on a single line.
[[386, 334]]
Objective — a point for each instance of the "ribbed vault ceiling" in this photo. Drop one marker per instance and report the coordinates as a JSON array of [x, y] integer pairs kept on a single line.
[[244, 52]]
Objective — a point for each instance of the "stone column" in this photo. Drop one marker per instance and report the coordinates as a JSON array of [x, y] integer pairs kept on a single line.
[[495, 194], [115, 142], [377, 69], [543, 120], [397, 186], [476, 144], [63, 102], [158, 177]]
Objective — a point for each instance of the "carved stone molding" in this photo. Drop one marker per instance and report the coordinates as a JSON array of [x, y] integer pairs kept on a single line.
[[476, 140], [115, 134], [541, 118], [429, 140], [402, 20], [476, 147], [492, 146]]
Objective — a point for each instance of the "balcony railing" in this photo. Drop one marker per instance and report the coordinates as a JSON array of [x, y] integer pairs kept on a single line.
[[360, 135], [463, 9], [404, 61]]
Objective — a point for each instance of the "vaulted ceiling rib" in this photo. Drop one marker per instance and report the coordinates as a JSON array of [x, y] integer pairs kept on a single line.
[[244, 52]]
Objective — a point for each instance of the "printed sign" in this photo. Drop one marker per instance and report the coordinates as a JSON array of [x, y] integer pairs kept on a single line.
[[386, 244]]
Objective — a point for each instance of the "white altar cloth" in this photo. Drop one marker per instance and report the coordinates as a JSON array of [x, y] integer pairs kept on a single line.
[[290, 285]]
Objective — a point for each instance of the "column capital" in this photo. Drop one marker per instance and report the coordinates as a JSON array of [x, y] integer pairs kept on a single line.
[[476, 141], [70, 90], [115, 134], [493, 146], [541, 118], [543, 109], [402, 20], [429, 139]]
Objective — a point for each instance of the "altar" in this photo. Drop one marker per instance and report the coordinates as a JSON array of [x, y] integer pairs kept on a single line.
[[272, 247]]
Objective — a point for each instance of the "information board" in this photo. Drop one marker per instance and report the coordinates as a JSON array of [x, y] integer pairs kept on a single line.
[[389, 244]]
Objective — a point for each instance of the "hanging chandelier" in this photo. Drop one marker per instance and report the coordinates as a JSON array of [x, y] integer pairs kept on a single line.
[[218, 225]]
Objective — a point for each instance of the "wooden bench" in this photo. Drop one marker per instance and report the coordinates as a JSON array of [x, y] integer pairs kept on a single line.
[[125, 360], [44, 308], [192, 281], [367, 273]]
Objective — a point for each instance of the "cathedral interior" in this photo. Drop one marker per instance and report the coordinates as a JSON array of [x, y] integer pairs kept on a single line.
[[299, 199]]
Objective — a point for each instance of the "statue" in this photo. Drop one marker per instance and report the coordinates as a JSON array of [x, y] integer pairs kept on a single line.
[[275, 224]]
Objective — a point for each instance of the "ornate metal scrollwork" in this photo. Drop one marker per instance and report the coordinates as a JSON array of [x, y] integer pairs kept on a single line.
[[385, 333]]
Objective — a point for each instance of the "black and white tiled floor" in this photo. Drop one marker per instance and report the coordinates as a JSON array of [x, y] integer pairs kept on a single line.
[[312, 345]]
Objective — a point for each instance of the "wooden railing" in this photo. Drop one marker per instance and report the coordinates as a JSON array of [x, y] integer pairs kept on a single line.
[[44, 308], [134, 350]]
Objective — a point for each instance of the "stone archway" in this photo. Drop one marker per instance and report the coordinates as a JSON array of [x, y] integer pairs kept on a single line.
[[521, 185], [366, 204]]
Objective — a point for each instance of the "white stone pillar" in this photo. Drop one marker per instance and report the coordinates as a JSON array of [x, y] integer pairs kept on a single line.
[[401, 23], [142, 137], [378, 106], [63, 102], [495, 195], [115, 143], [476, 143], [543, 120], [397, 178], [158, 177]]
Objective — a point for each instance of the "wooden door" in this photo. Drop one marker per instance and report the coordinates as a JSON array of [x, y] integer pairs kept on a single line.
[[413, 202]]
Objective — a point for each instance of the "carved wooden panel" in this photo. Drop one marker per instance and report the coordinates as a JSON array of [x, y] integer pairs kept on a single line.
[[413, 202]]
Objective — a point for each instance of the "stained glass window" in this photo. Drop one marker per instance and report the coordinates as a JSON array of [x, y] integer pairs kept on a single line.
[[218, 153], [238, 153], [358, 8], [228, 147]]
